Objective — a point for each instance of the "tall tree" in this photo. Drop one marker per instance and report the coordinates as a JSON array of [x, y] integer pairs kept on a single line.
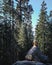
[[24, 11], [8, 42], [50, 38], [42, 28], [15, 36], [28, 24], [1, 31]]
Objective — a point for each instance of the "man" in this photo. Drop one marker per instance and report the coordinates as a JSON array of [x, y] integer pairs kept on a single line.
[[35, 54]]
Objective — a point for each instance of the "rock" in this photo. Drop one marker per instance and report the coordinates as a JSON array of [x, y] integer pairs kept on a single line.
[[28, 63]]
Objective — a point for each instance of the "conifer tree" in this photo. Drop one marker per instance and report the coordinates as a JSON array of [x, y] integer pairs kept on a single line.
[[21, 38], [49, 53], [9, 47], [15, 36], [42, 28], [24, 11]]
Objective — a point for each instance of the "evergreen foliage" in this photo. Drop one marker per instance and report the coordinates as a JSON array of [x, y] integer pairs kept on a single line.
[[13, 40], [50, 38], [43, 32], [16, 33], [42, 28]]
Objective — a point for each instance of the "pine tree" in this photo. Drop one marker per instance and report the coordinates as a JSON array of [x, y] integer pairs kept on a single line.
[[42, 28], [28, 25], [49, 53], [24, 11], [9, 47], [1, 31], [22, 42], [21, 38], [13, 37]]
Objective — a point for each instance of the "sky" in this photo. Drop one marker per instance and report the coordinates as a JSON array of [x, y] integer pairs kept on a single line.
[[36, 4]]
